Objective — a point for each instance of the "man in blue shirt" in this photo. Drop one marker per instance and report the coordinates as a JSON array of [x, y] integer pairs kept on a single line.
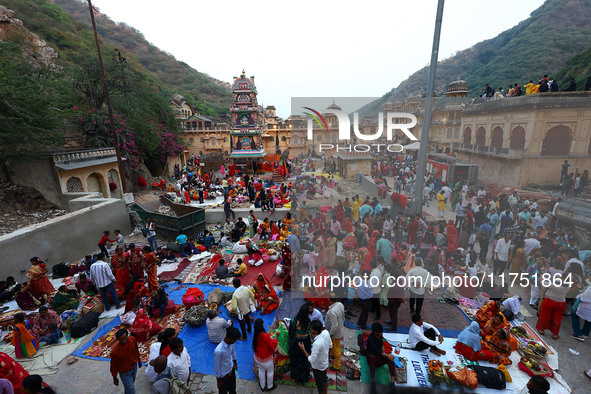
[[225, 365], [364, 293], [484, 234], [181, 240]]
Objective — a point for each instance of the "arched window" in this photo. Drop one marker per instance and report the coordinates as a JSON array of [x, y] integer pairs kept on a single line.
[[496, 139], [283, 138], [319, 138], [202, 140], [557, 141], [191, 140], [225, 139], [517, 140], [74, 185], [295, 140], [272, 139], [449, 134], [480, 136], [456, 133], [467, 135]]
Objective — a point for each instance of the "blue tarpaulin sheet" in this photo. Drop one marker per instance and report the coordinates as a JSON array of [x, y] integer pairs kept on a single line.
[[195, 338]]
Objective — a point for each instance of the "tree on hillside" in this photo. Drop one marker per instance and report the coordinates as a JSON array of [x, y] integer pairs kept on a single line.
[[32, 101]]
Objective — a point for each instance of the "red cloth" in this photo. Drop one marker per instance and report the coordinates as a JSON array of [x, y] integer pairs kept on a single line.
[[452, 237], [143, 327], [123, 358], [550, 315], [192, 297], [471, 355], [187, 197]]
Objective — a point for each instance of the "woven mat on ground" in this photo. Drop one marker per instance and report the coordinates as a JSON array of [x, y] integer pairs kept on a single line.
[[337, 380], [100, 347], [201, 349], [449, 319], [170, 275], [45, 361], [204, 272]]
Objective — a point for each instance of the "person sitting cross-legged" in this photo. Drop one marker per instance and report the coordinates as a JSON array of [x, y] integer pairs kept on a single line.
[[377, 356], [422, 336]]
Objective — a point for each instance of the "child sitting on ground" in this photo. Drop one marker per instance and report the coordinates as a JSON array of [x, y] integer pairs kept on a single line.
[[54, 335], [160, 301]]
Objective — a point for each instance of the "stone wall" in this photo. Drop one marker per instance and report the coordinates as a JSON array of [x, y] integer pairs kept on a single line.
[[39, 174], [66, 238]]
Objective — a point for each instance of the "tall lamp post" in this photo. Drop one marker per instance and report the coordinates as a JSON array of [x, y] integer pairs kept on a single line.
[[108, 100], [417, 201], [277, 150]]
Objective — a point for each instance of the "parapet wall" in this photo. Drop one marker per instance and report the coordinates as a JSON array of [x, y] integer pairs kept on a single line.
[[65, 238]]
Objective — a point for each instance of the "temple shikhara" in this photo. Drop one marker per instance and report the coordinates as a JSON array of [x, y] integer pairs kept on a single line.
[[247, 122]]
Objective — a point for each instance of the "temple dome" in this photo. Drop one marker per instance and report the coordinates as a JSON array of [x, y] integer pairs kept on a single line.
[[334, 106], [457, 87]]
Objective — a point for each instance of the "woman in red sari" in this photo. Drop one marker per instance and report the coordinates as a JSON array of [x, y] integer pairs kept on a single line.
[[348, 226], [375, 235], [340, 212], [12, 371], [318, 294], [37, 281], [265, 295], [120, 264], [452, 237], [135, 292], [135, 259], [151, 269], [364, 259]]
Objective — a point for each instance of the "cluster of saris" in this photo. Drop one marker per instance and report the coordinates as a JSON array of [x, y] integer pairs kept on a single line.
[[488, 338]]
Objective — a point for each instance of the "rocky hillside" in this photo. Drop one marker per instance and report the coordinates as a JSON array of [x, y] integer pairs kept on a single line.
[[65, 25], [541, 44]]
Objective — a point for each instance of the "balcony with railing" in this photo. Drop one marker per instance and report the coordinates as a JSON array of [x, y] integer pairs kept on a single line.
[[489, 150]]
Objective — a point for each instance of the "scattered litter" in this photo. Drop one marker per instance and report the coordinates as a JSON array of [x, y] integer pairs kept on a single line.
[[573, 351], [166, 210]]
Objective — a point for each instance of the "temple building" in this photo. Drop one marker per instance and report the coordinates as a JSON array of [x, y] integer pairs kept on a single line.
[[248, 121]]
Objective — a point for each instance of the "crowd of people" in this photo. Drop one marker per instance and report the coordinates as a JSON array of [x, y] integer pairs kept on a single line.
[[498, 234], [543, 85]]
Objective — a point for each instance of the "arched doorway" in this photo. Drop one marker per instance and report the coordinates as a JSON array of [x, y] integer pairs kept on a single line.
[[557, 141], [74, 185], [496, 139], [114, 178], [481, 136], [517, 140], [467, 135], [95, 183]]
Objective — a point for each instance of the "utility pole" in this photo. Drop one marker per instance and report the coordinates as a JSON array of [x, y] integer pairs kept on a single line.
[[108, 101], [417, 201]]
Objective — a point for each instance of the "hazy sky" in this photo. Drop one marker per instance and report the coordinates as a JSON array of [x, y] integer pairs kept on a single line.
[[314, 48]]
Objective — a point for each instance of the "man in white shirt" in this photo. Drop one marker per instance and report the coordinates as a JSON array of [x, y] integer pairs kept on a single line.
[[501, 253], [513, 304], [318, 357], [540, 221], [556, 206], [426, 193], [315, 314], [375, 282], [422, 336], [417, 279], [120, 239], [104, 280], [179, 360], [335, 325], [531, 243], [216, 326]]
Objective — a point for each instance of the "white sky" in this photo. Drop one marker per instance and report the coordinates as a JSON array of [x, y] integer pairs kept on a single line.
[[314, 48]]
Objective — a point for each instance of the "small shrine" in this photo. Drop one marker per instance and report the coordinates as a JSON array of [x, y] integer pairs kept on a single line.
[[248, 123]]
